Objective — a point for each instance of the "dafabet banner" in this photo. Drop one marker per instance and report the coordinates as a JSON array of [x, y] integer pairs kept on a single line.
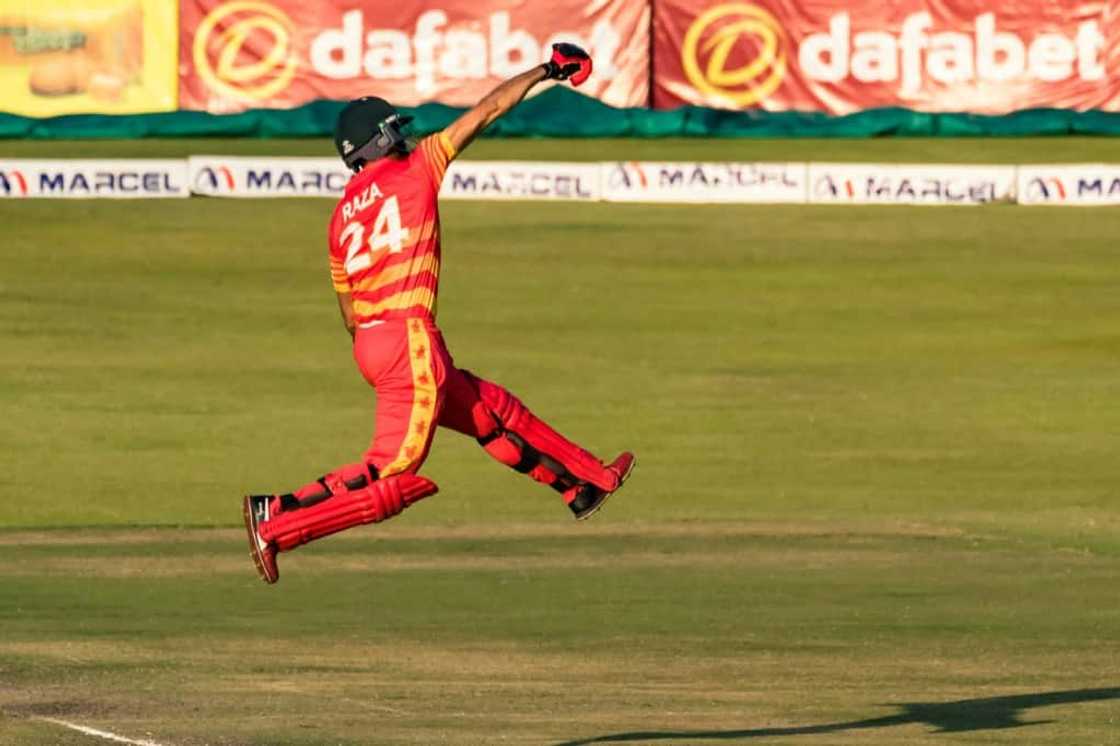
[[929, 55], [81, 56], [239, 54]]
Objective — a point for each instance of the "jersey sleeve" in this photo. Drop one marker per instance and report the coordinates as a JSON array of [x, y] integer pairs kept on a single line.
[[438, 152], [339, 278]]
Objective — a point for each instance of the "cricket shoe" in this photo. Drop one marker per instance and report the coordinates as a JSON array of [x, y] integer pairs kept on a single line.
[[257, 510], [586, 499]]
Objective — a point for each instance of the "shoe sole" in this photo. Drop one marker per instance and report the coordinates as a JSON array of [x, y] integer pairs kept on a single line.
[[621, 481], [254, 546]]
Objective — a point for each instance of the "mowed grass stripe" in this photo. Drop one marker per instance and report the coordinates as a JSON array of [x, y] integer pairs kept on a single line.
[[763, 579], [170, 553], [99, 536]]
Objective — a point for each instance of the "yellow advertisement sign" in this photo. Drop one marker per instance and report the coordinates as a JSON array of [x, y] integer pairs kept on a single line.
[[88, 56]]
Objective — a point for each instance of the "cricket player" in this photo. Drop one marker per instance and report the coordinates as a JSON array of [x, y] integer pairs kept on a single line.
[[384, 242]]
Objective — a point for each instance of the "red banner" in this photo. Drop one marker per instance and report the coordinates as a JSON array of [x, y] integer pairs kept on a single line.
[[929, 55], [238, 54]]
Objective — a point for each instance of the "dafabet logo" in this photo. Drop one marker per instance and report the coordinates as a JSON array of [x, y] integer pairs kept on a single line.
[[735, 52], [739, 54], [243, 49]]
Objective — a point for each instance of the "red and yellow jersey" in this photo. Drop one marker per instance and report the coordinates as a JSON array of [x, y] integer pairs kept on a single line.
[[384, 234]]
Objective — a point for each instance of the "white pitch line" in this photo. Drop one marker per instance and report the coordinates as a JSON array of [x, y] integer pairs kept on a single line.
[[99, 733]]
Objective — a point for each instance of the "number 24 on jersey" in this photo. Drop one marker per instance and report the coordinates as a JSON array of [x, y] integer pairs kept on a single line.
[[387, 235]]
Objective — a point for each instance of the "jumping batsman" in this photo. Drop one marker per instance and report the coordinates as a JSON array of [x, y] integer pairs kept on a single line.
[[385, 260]]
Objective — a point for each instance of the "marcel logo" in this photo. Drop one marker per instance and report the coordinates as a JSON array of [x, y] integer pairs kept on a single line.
[[891, 189], [628, 175], [1092, 188], [243, 50], [214, 179], [736, 52], [13, 184], [261, 179], [1049, 189]]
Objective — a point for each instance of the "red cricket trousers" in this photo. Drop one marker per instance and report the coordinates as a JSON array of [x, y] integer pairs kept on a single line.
[[418, 387]]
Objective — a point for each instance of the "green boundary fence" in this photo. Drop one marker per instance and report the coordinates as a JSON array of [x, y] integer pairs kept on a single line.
[[560, 112]]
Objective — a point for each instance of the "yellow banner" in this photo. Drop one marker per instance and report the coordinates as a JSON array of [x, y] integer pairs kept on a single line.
[[88, 56]]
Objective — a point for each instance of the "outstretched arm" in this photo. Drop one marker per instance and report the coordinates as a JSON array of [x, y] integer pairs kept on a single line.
[[496, 103], [568, 61]]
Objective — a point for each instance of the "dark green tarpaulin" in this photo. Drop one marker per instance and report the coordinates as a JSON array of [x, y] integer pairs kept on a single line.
[[560, 112]]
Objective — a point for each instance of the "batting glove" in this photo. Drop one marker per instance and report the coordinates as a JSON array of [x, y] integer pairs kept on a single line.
[[568, 62]]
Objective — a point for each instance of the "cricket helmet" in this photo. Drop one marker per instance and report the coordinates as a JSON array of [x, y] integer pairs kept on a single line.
[[368, 128]]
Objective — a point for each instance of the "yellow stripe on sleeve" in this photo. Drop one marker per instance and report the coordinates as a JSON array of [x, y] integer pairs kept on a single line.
[[448, 148], [338, 276], [439, 152]]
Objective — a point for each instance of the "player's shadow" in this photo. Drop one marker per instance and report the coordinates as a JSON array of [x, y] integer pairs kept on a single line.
[[989, 713]]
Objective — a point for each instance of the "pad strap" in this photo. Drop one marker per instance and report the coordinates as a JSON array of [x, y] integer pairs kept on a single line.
[[513, 451]]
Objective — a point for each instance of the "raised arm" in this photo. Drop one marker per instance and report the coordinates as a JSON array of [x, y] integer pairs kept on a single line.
[[568, 62]]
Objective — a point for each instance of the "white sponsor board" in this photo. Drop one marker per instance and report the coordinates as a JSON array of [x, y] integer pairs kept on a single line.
[[222, 176], [521, 180], [218, 176], [85, 179], [1071, 184], [682, 183], [704, 182], [909, 184]]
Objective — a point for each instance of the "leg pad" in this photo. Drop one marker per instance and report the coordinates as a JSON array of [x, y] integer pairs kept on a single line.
[[376, 502], [537, 449]]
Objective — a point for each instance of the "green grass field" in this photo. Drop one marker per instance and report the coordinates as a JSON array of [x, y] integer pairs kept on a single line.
[[876, 500]]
